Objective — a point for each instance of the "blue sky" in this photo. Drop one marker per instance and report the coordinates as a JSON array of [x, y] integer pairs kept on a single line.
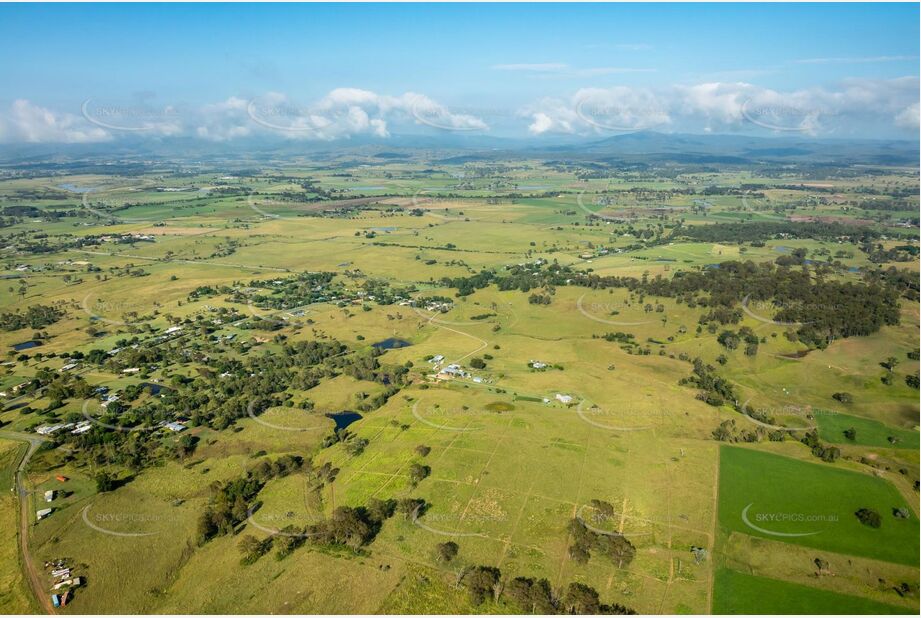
[[505, 69]]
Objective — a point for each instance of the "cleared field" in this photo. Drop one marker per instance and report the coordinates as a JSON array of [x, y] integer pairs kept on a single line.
[[818, 510], [15, 596], [737, 593], [869, 432]]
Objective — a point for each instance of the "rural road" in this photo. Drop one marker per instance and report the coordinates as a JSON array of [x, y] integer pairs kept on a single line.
[[32, 573]]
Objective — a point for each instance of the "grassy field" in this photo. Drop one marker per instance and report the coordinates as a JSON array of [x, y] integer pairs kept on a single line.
[[869, 432], [737, 593], [757, 498], [15, 596], [510, 465]]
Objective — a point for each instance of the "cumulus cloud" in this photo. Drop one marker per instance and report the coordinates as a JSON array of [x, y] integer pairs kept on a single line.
[[723, 106], [852, 107], [341, 113], [25, 121], [224, 121], [345, 112], [418, 108], [908, 118]]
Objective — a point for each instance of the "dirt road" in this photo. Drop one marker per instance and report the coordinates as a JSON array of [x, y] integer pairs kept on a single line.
[[32, 573]]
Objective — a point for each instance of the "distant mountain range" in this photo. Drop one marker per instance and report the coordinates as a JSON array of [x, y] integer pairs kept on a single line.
[[646, 147]]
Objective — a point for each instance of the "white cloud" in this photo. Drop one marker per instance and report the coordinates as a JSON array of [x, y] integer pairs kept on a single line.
[[224, 121], [852, 107], [551, 116], [908, 118], [27, 122], [340, 114], [344, 112], [721, 106]]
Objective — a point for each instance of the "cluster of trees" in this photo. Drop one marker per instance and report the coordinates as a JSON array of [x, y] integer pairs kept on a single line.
[[233, 501], [227, 388], [824, 452], [310, 287], [900, 253], [727, 431], [536, 596], [34, 317], [352, 444], [754, 231], [347, 527], [714, 390], [222, 389], [614, 546], [300, 289], [823, 309], [732, 340], [58, 387], [901, 279]]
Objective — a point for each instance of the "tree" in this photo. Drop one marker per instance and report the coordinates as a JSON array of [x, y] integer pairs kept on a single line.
[[186, 446], [104, 482], [447, 551], [411, 507], [478, 363], [579, 554], [581, 599], [287, 540], [481, 582], [418, 472], [251, 548], [532, 596], [380, 510], [850, 434], [869, 517], [729, 340], [207, 528], [843, 397], [347, 527]]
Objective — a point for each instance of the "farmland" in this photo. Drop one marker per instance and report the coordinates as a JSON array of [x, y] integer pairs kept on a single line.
[[574, 376]]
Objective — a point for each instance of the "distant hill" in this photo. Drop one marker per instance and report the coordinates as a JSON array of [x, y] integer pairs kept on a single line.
[[645, 147]]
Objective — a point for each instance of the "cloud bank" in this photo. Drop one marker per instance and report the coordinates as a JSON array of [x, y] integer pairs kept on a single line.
[[730, 106], [855, 106]]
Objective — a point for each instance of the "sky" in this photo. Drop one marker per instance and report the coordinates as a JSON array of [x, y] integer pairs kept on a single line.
[[103, 72]]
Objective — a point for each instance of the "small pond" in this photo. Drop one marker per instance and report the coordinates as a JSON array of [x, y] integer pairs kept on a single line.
[[344, 419], [391, 343], [67, 186]]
